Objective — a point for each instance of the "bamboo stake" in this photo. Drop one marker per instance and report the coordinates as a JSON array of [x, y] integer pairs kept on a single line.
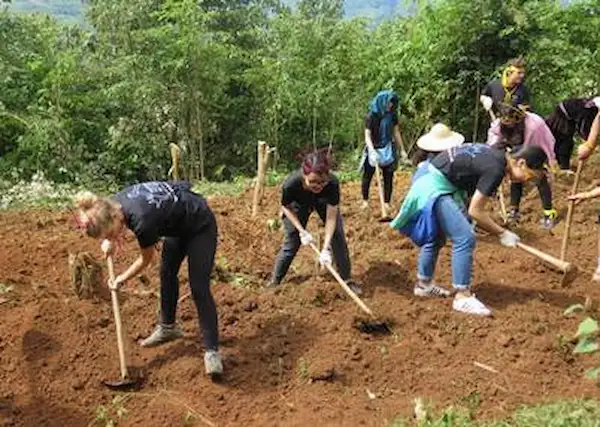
[[262, 149]]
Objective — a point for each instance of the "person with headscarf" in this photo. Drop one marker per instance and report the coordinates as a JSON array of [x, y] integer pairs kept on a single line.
[[383, 143], [571, 116], [509, 89], [435, 209], [513, 129]]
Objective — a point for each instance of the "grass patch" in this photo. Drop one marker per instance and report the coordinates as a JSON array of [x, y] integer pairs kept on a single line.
[[580, 413], [225, 188]]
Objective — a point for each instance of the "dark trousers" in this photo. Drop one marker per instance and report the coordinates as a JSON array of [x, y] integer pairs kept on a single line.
[[516, 192], [563, 148], [292, 243], [388, 180], [200, 249]]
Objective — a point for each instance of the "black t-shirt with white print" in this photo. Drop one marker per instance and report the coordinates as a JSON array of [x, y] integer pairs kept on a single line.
[[293, 192], [163, 209], [473, 167]]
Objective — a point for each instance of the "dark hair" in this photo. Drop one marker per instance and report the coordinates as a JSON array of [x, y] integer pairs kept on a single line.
[[421, 155], [317, 161], [511, 112], [516, 62], [534, 156], [576, 115]]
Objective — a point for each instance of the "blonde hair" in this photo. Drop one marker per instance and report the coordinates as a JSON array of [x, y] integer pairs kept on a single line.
[[96, 214]]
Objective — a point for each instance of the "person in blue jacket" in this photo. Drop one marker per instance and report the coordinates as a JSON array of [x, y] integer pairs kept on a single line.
[[434, 209]]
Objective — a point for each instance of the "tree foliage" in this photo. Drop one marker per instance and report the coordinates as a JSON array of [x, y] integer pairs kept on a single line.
[[105, 101]]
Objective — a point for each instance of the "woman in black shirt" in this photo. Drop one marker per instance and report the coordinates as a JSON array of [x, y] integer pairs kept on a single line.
[[169, 210], [311, 188]]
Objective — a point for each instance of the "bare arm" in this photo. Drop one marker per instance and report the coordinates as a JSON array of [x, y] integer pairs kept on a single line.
[[146, 256], [330, 223], [478, 212], [585, 150], [592, 194]]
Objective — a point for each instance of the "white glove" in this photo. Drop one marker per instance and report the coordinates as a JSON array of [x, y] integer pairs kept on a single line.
[[373, 155], [107, 247], [306, 238], [597, 101], [325, 257], [487, 102], [509, 239]]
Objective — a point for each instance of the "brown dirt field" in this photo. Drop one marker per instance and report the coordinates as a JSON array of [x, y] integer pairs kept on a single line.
[[55, 350]]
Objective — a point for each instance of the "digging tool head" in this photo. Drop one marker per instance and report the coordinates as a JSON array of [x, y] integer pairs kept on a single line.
[[123, 384], [373, 327], [569, 275], [386, 219]]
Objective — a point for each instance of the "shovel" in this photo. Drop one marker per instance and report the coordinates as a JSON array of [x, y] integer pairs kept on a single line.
[[370, 326], [125, 382]]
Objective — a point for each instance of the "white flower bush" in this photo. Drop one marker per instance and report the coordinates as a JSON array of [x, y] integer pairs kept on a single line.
[[38, 191]]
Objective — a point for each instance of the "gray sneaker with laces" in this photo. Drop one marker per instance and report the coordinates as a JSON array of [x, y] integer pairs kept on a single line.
[[162, 334], [430, 290], [213, 363]]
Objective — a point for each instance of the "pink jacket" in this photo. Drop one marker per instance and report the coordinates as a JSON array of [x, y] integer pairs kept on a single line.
[[536, 133]]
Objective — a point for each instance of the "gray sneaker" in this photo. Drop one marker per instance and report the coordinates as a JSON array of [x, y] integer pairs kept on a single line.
[[162, 334], [213, 363]]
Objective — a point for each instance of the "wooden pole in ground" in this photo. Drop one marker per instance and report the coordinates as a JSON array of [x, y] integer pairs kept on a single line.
[[262, 149]]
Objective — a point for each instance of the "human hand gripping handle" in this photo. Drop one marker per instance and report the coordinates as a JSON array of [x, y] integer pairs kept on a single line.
[[509, 239], [487, 102], [305, 238], [107, 248], [325, 257]]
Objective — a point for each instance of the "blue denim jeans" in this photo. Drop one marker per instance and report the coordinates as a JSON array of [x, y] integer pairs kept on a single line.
[[455, 226]]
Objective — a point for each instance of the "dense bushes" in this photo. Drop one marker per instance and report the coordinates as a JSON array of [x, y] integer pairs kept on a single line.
[[216, 75]]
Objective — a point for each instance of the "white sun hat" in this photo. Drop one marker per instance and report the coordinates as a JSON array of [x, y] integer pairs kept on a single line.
[[440, 138]]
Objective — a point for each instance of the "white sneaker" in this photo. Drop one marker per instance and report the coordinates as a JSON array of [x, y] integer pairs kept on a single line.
[[596, 276], [430, 290], [470, 305], [364, 205], [213, 363]]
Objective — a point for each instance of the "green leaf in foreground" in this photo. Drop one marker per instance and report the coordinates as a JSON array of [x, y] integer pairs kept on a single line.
[[593, 373], [586, 345], [588, 327]]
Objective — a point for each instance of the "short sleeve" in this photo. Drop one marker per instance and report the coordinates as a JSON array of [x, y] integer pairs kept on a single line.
[[287, 191], [487, 91], [146, 234], [489, 181], [333, 193]]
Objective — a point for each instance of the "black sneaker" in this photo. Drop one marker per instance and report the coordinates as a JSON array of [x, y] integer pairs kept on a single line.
[[354, 287], [549, 220]]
